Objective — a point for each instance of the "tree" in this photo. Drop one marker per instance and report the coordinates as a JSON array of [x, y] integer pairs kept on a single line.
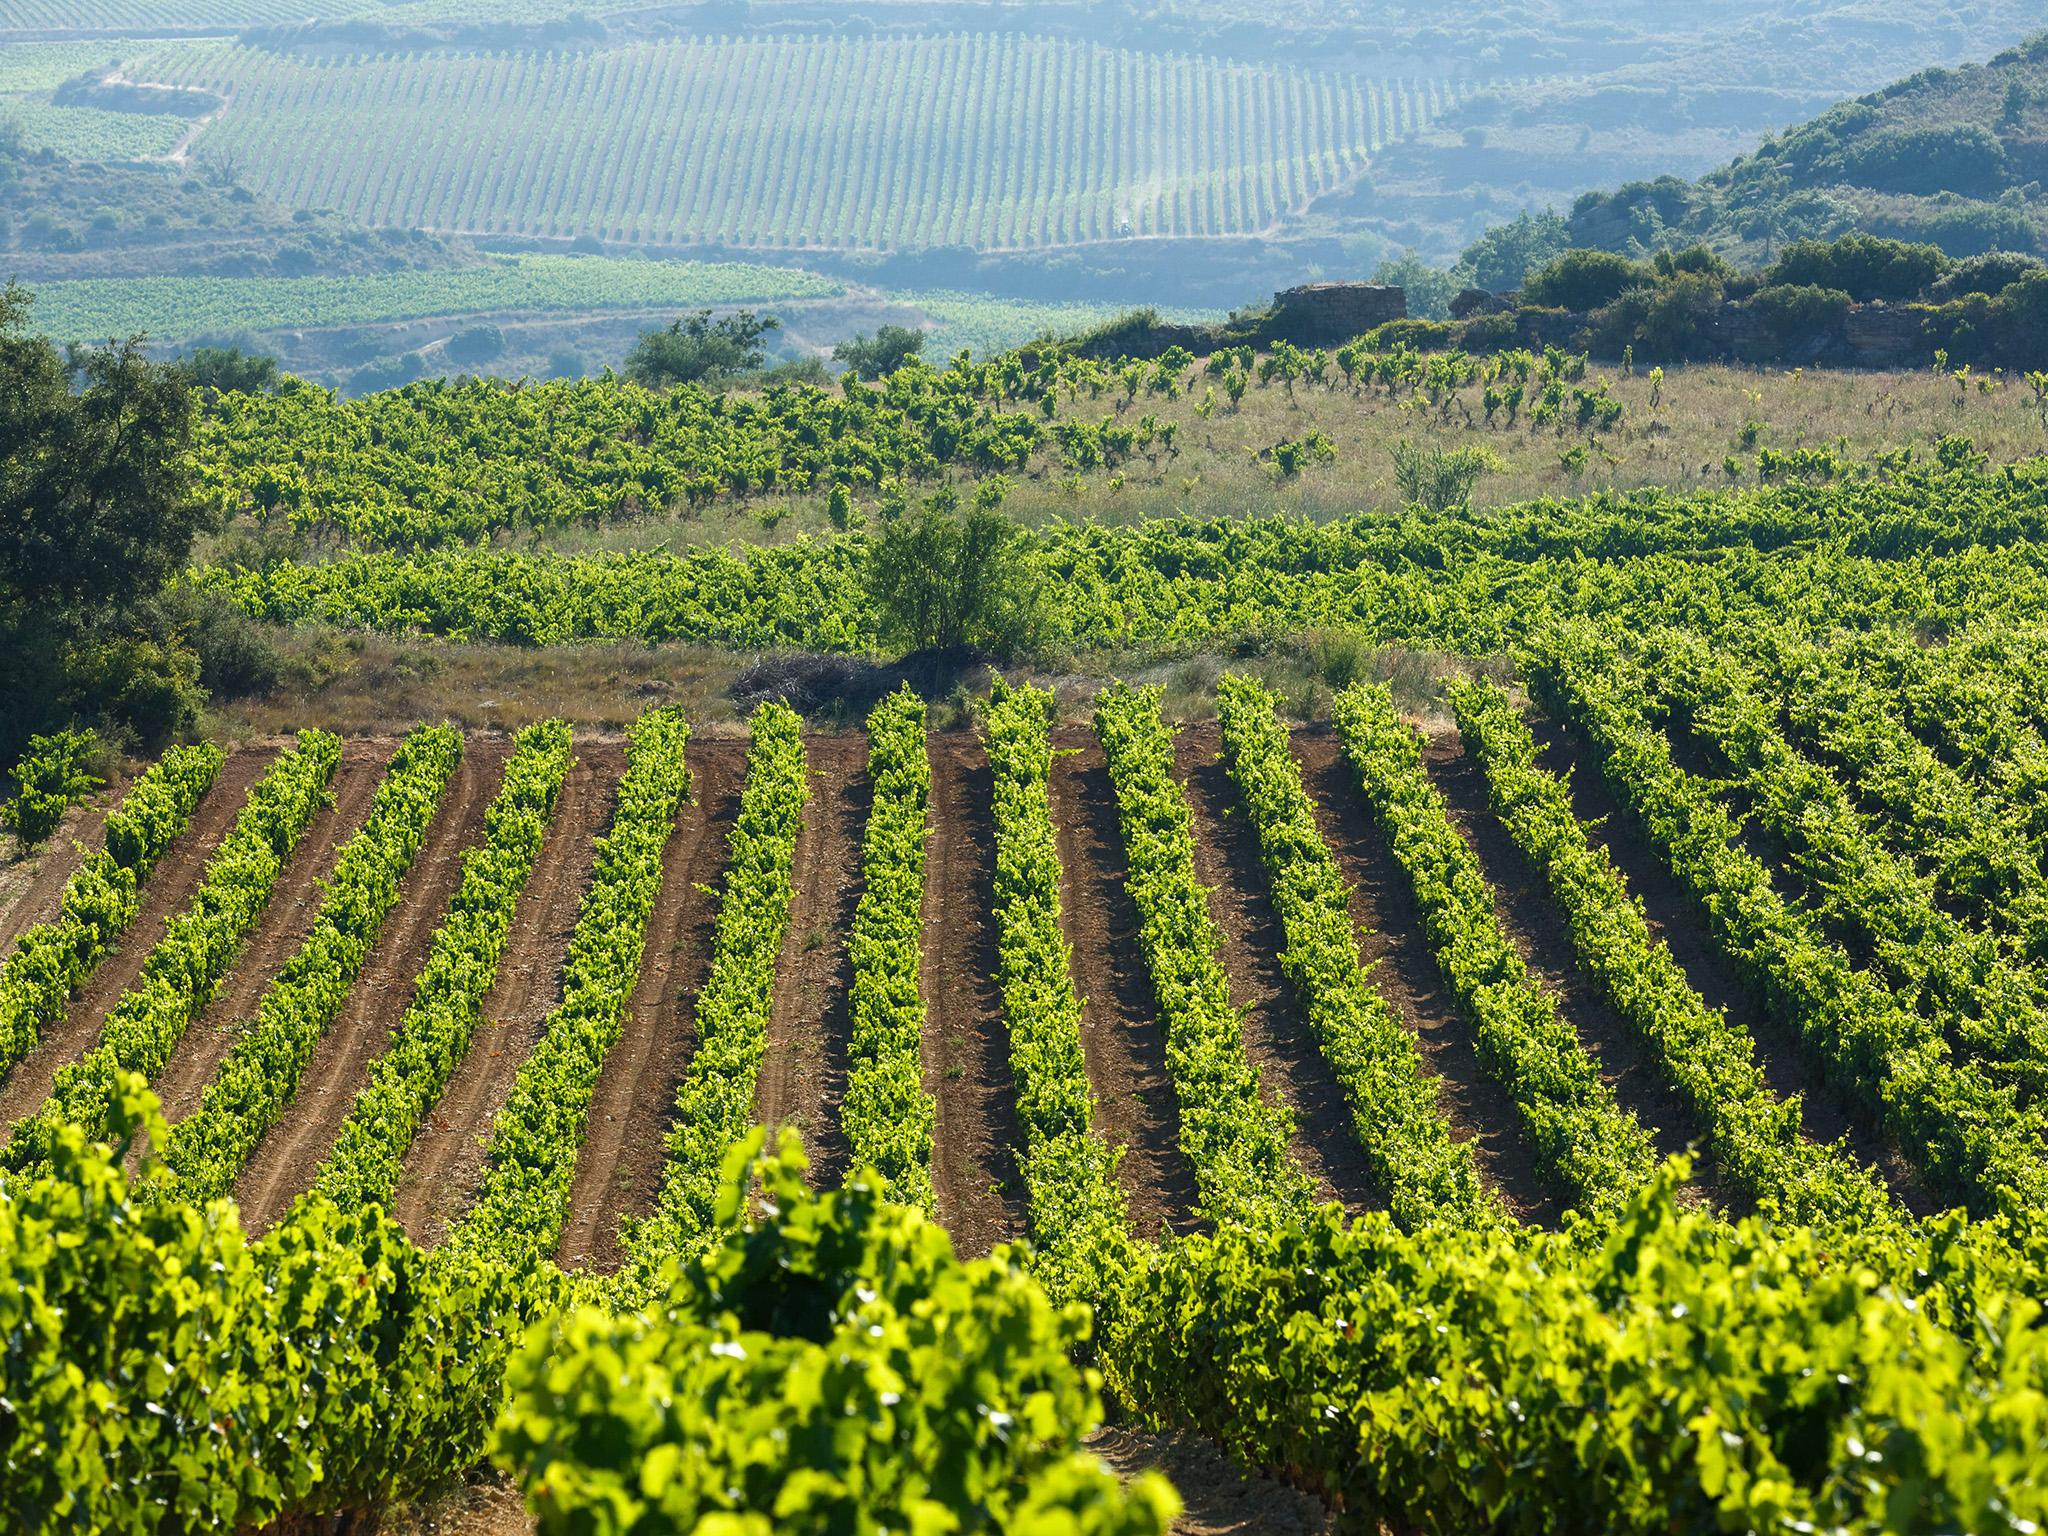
[[874, 357], [939, 580], [1429, 289], [97, 507], [230, 370], [97, 513], [1501, 260], [698, 349]]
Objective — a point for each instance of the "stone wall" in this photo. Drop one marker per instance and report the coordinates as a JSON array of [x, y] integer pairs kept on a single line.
[[1330, 314]]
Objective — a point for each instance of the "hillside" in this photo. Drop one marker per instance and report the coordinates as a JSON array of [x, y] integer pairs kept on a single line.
[[1952, 157]]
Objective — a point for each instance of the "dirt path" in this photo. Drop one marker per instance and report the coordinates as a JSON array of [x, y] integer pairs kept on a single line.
[[1828, 1112], [803, 1075], [1276, 1037], [169, 891], [445, 1162], [1404, 972], [284, 1162], [278, 935], [966, 1048], [1537, 928], [1121, 1038], [618, 1171], [1220, 1497]]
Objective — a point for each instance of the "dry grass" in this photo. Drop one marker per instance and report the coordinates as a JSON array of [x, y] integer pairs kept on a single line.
[[357, 683], [1702, 419]]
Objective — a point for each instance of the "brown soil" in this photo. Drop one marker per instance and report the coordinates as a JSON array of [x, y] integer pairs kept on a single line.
[[1829, 1111], [168, 891], [32, 884], [966, 1047], [278, 935], [1121, 1038], [445, 1162], [1276, 1037], [1405, 973], [1219, 1497], [803, 1074], [1536, 927], [618, 1172], [284, 1162]]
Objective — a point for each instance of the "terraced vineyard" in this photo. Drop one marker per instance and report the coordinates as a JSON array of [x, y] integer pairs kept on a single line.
[[994, 141], [1102, 984]]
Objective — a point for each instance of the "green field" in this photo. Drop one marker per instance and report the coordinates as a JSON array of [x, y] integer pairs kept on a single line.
[[992, 141], [173, 307]]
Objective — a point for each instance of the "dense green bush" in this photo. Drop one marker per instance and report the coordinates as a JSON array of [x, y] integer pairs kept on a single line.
[[1862, 266], [1584, 281], [1801, 312]]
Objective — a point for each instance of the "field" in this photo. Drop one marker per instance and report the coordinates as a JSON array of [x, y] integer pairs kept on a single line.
[[173, 308], [1191, 942], [1466, 977], [793, 143]]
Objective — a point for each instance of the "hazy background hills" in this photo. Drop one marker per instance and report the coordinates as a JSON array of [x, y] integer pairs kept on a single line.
[[354, 186]]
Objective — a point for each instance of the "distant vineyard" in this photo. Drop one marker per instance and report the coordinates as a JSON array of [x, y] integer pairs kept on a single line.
[[101, 15], [176, 307], [995, 142]]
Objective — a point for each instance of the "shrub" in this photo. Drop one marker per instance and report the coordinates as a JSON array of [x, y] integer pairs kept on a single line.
[[477, 344], [1584, 280], [1799, 311], [146, 687], [1862, 266], [1438, 479], [1990, 273]]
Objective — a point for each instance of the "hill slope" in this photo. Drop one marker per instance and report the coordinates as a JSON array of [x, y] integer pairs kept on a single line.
[[1955, 157]]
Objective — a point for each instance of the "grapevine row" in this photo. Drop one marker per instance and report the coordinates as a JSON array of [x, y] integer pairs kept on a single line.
[[530, 1162], [52, 960], [1975, 843], [434, 1033], [1584, 1141], [1711, 1066], [1236, 1141], [716, 1101], [261, 1074], [185, 970], [1990, 1009], [1428, 1175], [1946, 1115], [1076, 1208], [887, 1114]]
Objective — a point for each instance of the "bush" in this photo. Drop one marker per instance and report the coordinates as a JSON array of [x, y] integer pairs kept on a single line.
[[1966, 159], [477, 344], [1991, 273], [52, 776], [136, 686], [1582, 281], [872, 357], [939, 580], [1438, 479], [1862, 266], [1798, 312]]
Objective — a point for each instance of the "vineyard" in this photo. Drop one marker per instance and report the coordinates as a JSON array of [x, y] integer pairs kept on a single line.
[[167, 307], [1559, 1043], [1229, 1022], [990, 140]]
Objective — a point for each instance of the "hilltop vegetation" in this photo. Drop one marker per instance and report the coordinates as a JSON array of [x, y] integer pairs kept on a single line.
[[1951, 157]]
